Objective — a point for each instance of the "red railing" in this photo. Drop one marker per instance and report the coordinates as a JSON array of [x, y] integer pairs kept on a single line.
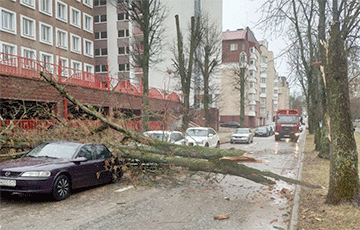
[[28, 124], [25, 67]]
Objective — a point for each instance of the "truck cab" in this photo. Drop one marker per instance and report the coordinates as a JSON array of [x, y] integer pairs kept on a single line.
[[287, 124]]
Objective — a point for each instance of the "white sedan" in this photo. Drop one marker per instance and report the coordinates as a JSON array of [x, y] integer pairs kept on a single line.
[[174, 137], [202, 136]]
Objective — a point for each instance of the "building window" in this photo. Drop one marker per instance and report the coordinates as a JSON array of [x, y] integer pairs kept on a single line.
[[88, 48], [8, 21], [101, 52], [45, 6], [61, 39], [124, 50], [100, 35], [263, 100], [252, 62], [251, 84], [101, 68], [28, 53], [233, 47], [122, 16], [100, 3], [263, 90], [75, 66], [123, 33], [243, 46], [61, 11], [64, 64], [47, 60], [88, 23], [28, 3], [75, 43], [46, 33], [88, 3], [7, 49], [263, 80], [252, 50], [263, 59], [75, 19], [100, 18], [88, 68], [27, 27], [124, 67]]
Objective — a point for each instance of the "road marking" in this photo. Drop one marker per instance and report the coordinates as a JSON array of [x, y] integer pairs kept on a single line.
[[124, 189]]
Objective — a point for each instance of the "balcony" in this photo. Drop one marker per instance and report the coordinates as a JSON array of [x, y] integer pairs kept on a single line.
[[30, 68]]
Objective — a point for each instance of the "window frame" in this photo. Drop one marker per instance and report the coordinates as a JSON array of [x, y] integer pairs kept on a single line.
[[233, 46], [85, 16], [89, 65], [88, 3], [78, 51], [57, 38], [12, 30], [78, 19], [23, 48], [86, 41], [51, 37], [65, 19], [32, 30], [72, 62], [31, 6], [50, 2]]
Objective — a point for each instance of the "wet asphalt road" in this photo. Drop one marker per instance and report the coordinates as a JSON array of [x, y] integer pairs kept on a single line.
[[191, 205]]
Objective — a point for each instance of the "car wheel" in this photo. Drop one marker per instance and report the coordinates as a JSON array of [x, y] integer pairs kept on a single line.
[[218, 144], [61, 188], [231, 142]]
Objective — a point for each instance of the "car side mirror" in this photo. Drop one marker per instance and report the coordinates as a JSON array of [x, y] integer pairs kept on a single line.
[[211, 135], [78, 160]]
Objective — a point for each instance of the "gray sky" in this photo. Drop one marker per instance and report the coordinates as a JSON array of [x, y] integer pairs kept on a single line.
[[241, 13]]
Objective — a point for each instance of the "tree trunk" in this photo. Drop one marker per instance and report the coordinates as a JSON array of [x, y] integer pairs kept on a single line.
[[242, 97], [206, 86], [344, 177]]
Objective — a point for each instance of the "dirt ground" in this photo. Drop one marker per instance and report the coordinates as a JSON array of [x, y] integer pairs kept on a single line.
[[313, 212]]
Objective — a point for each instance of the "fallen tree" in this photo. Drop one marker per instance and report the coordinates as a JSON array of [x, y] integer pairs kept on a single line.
[[193, 158]]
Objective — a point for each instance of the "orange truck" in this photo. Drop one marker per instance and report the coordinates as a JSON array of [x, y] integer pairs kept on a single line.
[[287, 124]]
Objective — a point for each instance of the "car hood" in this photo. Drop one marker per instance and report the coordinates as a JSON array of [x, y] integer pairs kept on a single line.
[[195, 139], [240, 135], [30, 163]]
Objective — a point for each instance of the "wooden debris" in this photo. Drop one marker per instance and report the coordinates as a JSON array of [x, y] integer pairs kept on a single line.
[[221, 217], [242, 158]]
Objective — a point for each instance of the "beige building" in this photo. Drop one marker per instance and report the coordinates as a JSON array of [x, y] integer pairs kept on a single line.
[[284, 93]]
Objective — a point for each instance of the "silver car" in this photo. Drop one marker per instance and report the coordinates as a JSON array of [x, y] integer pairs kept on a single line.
[[242, 135]]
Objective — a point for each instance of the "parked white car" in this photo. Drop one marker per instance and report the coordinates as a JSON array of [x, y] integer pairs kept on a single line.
[[202, 136], [174, 137]]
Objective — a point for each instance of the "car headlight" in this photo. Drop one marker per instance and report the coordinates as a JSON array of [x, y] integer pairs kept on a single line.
[[276, 133], [297, 134], [36, 174]]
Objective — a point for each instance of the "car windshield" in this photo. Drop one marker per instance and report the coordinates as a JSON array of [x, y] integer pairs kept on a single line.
[[261, 128], [287, 119], [54, 150], [197, 132], [241, 131], [158, 136]]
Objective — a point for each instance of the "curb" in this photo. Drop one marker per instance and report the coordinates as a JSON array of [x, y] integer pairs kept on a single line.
[[295, 210]]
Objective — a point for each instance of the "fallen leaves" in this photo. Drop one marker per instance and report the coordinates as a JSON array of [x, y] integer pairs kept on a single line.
[[221, 217]]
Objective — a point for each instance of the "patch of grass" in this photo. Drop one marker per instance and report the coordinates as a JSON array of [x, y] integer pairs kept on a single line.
[[313, 212]]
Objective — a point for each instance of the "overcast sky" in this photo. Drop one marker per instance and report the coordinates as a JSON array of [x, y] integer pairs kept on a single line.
[[241, 13]]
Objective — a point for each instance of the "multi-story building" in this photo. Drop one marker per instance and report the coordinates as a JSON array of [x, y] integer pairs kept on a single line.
[[284, 93], [268, 84], [114, 33], [50, 31], [239, 43]]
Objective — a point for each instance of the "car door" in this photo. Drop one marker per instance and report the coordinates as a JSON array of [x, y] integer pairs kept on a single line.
[[84, 173], [212, 138], [103, 154]]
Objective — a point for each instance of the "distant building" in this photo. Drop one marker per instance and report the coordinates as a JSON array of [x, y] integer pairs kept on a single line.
[[284, 93]]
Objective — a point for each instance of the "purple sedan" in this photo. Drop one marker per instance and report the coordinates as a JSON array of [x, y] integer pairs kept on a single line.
[[57, 168]]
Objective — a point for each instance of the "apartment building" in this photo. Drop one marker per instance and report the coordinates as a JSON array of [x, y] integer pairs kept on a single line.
[[50, 31], [284, 93], [236, 44], [268, 84], [114, 33]]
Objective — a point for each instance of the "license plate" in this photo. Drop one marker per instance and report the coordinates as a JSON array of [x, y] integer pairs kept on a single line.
[[9, 183], [286, 135]]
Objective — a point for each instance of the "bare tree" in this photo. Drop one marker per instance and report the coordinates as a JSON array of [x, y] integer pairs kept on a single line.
[[208, 58], [240, 80], [147, 17], [180, 62]]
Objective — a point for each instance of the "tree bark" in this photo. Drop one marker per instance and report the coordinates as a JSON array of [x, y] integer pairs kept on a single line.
[[344, 177]]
